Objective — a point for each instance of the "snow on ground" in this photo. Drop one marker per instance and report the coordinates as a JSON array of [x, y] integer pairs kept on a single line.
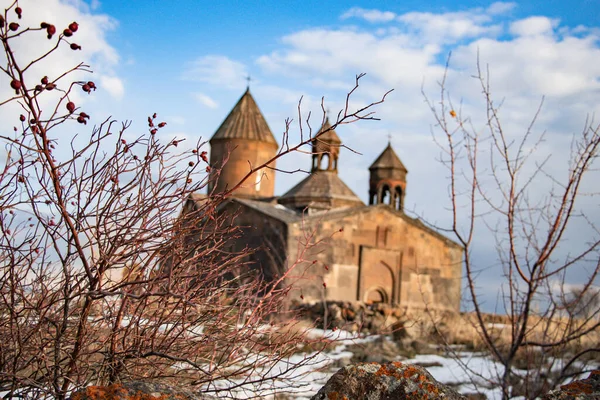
[[468, 373]]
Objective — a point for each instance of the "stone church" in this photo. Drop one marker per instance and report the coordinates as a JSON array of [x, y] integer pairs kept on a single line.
[[371, 253]]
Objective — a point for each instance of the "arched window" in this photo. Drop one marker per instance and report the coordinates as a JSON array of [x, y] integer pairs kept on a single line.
[[398, 198], [324, 161], [372, 198], [315, 161], [386, 195], [258, 180]]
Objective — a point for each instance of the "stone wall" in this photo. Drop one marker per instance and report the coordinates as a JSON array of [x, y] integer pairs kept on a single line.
[[377, 255]]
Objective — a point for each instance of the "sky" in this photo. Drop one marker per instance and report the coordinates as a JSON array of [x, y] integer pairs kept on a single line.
[[189, 60]]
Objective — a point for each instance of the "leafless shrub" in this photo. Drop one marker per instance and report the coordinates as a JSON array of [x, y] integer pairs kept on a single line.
[[102, 279], [546, 335]]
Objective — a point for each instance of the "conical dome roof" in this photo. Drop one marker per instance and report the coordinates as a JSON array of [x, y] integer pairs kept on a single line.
[[388, 160], [321, 189], [330, 136], [245, 121]]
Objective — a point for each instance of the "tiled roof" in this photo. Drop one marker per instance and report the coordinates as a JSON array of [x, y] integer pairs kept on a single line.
[[245, 121], [318, 186], [388, 159]]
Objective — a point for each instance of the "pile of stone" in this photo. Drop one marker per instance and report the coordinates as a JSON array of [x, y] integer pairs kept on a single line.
[[355, 316]]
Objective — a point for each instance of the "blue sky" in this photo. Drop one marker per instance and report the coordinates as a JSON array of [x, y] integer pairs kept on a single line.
[[187, 60]]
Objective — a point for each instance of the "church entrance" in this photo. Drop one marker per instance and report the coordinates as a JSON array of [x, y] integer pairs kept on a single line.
[[378, 276]]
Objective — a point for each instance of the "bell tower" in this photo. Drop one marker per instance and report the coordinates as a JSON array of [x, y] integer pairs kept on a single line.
[[243, 140], [325, 149], [387, 181]]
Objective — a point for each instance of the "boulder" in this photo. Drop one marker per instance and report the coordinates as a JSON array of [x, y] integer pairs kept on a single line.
[[137, 391], [585, 389], [394, 380]]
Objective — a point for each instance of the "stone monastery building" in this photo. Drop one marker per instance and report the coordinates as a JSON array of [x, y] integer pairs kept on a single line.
[[370, 253]]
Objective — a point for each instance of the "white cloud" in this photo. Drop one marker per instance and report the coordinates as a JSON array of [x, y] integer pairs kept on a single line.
[[501, 7], [113, 85], [533, 26], [205, 100], [448, 27], [91, 36], [369, 15], [217, 70]]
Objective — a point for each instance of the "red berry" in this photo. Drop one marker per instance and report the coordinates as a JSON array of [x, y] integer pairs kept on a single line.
[[81, 120], [51, 30], [84, 115], [22, 118], [50, 86], [13, 26], [191, 163], [86, 88], [92, 85], [153, 131], [71, 107], [44, 80], [123, 141], [162, 124], [2, 20], [39, 88], [67, 32], [15, 84], [73, 26], [44, 25], [75, 46], [19, 11]]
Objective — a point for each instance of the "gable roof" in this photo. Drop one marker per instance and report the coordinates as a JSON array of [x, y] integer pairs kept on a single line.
[[388, 159], [335, 214], [245, 121]]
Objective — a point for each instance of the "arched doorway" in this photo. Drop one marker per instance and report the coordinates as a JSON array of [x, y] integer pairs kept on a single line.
[[376, 295]]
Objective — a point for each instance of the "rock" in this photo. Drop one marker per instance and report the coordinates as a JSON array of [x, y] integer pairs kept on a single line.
[[348, 314], [395, 380], [380, 350], [335, 312], [137, 391], [585, 389]]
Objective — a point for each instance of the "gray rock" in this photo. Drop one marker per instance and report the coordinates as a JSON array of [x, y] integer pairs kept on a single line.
[[395, 380]]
